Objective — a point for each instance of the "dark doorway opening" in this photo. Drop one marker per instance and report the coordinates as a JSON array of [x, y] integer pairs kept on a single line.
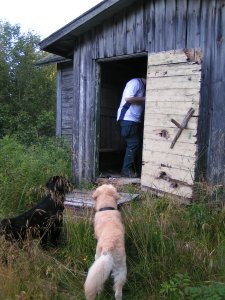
[[114, 75]]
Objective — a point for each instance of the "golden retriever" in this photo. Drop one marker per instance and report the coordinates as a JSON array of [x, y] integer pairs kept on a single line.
[[110, 254]]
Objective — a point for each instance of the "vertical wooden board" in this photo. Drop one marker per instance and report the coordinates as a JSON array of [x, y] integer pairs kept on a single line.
[[120, 34], [207, 37], [139, 32], [130, 30], [59, 102], [181, 24], [219, 47], [76, 110], [108, 32], [88, 112], [159, 26], [193, 21], [155, 153], [170, 24], [101, 41], [150, 26], [216, 156]]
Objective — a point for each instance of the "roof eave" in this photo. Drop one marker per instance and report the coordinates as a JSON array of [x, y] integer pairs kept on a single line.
[[77, 27]]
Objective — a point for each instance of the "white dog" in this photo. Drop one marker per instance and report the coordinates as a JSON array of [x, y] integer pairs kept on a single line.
[[110, 251]]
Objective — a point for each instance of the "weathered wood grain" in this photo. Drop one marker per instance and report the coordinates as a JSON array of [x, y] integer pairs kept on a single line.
[[158, 134], [165, 187], [159, 152], [178, 82], [154, 26], [172, 108], [164, 146], [161, 120], [180, 69], [173, 175], [174, 160]]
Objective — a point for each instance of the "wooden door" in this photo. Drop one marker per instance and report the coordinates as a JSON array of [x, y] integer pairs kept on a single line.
[[172, 92]]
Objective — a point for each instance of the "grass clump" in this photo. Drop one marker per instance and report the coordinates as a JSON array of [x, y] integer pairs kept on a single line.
[[23, 169]]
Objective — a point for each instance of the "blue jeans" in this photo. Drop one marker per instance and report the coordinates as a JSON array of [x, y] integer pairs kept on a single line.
[[130, 131]]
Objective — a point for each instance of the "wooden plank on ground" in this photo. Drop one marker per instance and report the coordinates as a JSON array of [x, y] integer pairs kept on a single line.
[[83, 199]]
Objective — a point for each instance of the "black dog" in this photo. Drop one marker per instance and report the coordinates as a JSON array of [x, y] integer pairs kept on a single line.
[[43, 220]]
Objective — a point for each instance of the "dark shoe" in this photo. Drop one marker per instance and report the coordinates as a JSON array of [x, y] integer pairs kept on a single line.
[[128, 173]]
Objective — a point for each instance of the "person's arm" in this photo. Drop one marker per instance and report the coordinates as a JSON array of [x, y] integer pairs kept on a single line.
[[135, 100]]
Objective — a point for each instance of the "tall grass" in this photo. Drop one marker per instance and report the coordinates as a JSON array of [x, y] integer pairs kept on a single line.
[[173, 251], [23, 169]]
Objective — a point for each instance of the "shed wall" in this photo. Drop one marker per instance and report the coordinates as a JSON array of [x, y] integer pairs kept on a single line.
[[154, 26], [64, 100]]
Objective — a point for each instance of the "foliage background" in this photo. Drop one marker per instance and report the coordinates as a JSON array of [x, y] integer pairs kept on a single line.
[[27, 92]]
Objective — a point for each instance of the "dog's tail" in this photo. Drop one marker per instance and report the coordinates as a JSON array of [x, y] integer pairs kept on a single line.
[[97, 275]]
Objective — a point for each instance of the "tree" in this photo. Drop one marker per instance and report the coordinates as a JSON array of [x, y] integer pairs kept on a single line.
[[27, 92]]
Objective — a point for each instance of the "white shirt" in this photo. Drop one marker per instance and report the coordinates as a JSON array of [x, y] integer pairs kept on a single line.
[[131, 111]]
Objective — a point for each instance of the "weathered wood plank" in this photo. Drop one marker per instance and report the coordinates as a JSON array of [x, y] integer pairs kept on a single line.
[[180, 24], [165, 58], [108, 37], [170, 174], [120, 31], [101, 42], [67, 131], [130, 30], [179, 82], [66, 123], [59, 102], [188, 149], [83, 199], [193, 21], [183, 95], [87, 117], [180, 69], [170, 10], [165, 187], [176, 161], [163, 121], [169, 108], [150, 26], [159, 134], [139, 26], [159, 26]]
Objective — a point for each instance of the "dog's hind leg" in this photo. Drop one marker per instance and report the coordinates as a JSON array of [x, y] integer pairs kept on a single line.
[[54, 235], [119, 275], [43, 238]]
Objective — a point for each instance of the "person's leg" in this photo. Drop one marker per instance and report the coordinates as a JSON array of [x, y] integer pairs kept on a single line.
[[130, 131]]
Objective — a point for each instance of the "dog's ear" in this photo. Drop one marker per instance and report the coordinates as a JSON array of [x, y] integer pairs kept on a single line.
[[96, 194], [115, 194]]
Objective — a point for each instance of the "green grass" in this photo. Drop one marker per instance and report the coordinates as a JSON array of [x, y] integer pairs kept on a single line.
[[25, 170], [173, 251]]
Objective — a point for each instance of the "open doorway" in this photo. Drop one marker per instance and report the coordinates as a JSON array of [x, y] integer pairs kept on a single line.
[[114, 76]]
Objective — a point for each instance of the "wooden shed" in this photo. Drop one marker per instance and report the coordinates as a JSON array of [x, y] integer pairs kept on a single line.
[[180, 44]]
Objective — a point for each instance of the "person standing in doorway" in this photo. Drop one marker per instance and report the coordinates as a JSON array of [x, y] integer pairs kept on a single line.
[[129, 116]]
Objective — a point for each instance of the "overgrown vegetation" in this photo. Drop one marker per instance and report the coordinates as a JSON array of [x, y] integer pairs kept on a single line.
[[24, 169], [27, 92], [173, 251]]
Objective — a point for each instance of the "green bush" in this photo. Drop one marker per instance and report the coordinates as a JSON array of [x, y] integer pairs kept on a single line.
[[23, 169]]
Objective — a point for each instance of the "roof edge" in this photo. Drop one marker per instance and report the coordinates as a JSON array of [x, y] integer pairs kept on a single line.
[[83, 19]]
